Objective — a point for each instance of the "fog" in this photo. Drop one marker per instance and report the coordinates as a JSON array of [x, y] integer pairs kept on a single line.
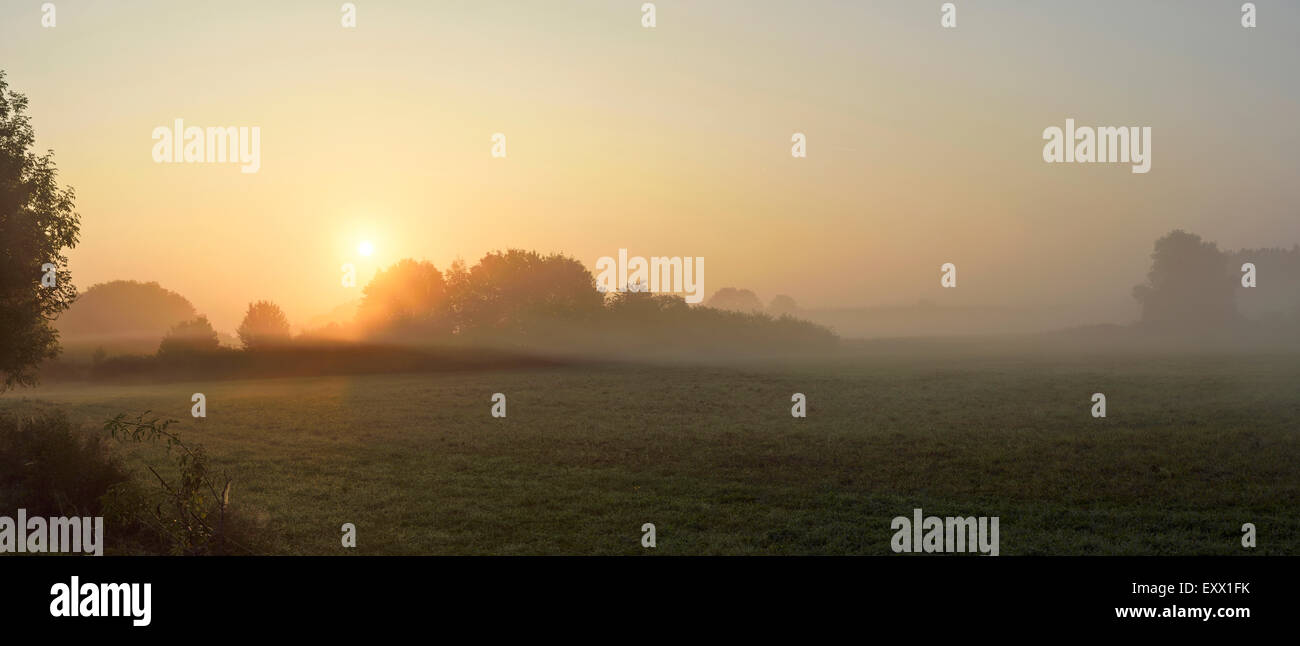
[[924, 146]]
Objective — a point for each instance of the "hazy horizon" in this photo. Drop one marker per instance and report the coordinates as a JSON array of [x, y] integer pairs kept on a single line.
[[924, 144]]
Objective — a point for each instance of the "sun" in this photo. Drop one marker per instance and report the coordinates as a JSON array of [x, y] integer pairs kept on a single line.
[[365, 248]]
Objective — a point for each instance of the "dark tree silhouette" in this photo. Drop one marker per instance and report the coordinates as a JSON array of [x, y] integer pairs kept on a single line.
[[264, 326], [735, 300], [125, 308], [406, 293], [550, 304], [1276, 295], [188, 338], [782, 305], [1188, 287], [505, 291], [37, 223]]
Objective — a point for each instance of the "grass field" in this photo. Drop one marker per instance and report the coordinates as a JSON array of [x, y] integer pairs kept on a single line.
[[1192, 447]]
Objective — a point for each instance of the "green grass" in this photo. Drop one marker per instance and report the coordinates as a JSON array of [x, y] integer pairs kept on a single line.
[[1192, 447]]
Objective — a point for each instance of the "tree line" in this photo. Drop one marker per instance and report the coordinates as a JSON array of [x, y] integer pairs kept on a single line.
[[1195, 287]]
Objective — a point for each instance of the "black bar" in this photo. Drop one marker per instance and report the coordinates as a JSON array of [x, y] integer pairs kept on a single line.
[[928, 593]]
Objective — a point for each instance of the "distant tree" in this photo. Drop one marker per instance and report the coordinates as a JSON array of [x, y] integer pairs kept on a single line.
[[646, 307], [782, 305], [1188, 286], [666, 325], [188, 338], [125, 308], [735, 300], [37, 223], [1277, 290], [409, 291], [264, 325], [505, 291]]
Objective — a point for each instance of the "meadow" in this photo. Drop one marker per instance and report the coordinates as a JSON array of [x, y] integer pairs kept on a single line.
[[1193, 446]]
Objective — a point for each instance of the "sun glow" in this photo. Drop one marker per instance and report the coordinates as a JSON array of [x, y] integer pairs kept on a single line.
[[365, 248]]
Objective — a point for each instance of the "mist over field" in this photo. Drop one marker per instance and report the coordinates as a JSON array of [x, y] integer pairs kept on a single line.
[[764, 277]]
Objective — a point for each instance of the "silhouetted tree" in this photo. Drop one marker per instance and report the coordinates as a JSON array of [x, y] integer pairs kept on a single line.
[[37, 223], [264, 325], [665, 324], [782, 305], [189, 338], [735, 300], [550, 304], [125, 308], [409, 292], [1188, 287], [643, 306], [1276, 295], [504, 291]]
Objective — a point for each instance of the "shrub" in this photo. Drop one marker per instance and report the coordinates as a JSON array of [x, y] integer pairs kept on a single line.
[[49, 469], [189, 338], [264, 326], [188, 512]]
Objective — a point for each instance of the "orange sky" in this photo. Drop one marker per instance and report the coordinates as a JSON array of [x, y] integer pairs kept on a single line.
[[924, 144]]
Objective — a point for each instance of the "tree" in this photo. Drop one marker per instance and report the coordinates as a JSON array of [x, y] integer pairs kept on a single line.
[[125, 308], [37, 222], [1188, 286], [782, 305], [408, 292], [189, 338], [735, 300], [509, 291], [264, 325], [1276, 295]]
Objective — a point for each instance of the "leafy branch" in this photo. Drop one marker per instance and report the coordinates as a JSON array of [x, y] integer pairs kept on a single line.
[[192, 499]]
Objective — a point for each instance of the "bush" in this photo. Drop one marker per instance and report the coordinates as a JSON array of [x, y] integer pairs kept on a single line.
[[187, 513], [49, 469], [265, 325], [53, 469], [188, 338]]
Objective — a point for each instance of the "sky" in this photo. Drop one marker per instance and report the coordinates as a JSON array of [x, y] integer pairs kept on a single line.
[[924, 144]]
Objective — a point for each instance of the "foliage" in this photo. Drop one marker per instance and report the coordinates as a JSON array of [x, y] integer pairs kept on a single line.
[[1188, 285], [191, 510], [735, 300], [189, 338], [50, 470], [782, 305], [125, 307], [1276, 297], [264, 325], [506, 291], [550, 304], [408, 292], [37, 223]]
